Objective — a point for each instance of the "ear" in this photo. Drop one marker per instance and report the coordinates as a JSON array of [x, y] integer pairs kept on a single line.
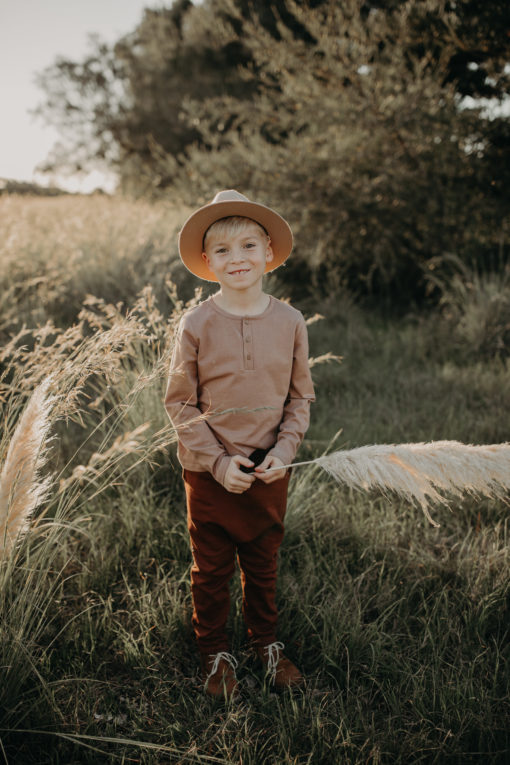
[[269, 252], [206, 260]]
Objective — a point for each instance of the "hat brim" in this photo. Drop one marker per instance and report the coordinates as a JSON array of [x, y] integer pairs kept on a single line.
[[192, 233]]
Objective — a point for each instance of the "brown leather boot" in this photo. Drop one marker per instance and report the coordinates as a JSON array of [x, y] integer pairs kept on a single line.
[[218, 672], [282, 672]]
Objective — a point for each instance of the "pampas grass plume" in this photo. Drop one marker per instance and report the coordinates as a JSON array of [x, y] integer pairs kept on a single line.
[[423, 472], [22, 489]]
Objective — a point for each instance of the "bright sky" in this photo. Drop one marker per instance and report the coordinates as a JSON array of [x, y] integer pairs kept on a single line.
[[32, 34]]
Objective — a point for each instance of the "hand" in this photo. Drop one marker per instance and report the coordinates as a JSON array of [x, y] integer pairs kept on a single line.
[[235, 480], [274, 475]]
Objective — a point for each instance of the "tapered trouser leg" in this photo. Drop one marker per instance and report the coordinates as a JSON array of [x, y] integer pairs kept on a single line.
[[213, 567], [258, 563]]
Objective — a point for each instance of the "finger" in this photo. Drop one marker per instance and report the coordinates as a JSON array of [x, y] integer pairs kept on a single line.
[[272, 475], [243, 479], [240, 460], [236, 489], [264, 465], [243, 482], [265, 471]]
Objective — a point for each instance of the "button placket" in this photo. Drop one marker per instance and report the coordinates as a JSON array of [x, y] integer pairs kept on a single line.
[[247, 345]]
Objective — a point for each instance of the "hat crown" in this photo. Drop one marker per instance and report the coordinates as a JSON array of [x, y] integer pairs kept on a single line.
[[229, 195], [230, 203]]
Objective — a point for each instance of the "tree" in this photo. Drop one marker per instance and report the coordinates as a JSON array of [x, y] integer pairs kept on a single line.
[[121, 100], [363, 146], [347, 116], [122, 105]]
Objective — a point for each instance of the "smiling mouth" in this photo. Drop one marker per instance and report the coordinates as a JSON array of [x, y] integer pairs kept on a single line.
[[240, 271]]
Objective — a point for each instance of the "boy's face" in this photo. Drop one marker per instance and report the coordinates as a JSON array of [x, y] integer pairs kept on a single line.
[[238, 260]]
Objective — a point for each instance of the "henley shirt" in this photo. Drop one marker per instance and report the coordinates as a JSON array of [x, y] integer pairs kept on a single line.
[[238, 383]]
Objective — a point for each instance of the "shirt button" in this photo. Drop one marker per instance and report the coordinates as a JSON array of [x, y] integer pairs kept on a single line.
[[248, 339], [248, 356]]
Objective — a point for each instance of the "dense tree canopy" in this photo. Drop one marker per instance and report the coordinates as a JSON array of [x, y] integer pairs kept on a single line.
[[348, 116]]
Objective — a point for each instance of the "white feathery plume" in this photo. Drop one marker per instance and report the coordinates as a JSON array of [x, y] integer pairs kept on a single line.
[[21, 487], [419, 472]]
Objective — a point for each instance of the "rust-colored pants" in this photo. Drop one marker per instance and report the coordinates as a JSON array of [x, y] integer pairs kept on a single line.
[[221, 525]]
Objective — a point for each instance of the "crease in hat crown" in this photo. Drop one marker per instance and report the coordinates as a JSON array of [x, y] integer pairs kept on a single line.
[[227, 203]]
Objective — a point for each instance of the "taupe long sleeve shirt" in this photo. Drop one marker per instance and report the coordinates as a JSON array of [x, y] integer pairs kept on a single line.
[[237, 384]]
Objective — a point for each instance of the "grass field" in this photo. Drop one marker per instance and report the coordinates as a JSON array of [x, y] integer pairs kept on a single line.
[[401, 629]]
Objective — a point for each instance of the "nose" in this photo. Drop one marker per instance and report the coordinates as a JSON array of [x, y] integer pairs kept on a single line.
[[236, 255]]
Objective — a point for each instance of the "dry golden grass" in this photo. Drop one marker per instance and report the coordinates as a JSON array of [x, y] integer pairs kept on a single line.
[[422, 472], [100, 364], [106, 375], [22, 489], [56, 232], [55, 251]]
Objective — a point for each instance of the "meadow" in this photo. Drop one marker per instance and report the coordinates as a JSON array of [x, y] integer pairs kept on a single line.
[[401, 629]]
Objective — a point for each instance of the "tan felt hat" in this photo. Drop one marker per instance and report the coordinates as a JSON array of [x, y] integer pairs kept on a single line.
[[225, 204]]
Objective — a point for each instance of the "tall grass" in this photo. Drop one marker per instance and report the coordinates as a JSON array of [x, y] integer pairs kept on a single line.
[[401, 629], [103, 375], [54, 252]]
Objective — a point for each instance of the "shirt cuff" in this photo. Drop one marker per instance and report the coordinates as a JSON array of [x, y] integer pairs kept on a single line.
[[219, 468], [284, 452]]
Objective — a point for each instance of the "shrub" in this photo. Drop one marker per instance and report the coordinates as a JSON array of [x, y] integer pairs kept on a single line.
[[476, 306]]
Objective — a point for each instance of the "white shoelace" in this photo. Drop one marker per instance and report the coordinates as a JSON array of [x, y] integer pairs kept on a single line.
[[218, 657], [273, 656]]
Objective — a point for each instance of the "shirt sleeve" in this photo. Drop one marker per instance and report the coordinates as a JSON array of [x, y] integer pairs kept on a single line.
[[296, 412], [181, 404]]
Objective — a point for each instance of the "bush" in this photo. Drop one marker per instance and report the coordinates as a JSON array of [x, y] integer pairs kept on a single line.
[[361, 145], [476, 306]]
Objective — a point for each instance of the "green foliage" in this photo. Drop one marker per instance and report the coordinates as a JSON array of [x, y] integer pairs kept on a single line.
[[364, 148], [122, 105], [347, 117]]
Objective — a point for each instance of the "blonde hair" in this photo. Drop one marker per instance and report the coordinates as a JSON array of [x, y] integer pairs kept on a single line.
[[229, 226]]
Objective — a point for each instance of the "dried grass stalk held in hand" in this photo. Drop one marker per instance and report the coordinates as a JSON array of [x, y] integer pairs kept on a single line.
[[21, 487], [422, 472]]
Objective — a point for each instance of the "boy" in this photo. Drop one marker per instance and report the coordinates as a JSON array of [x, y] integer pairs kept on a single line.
[[239, 393]]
